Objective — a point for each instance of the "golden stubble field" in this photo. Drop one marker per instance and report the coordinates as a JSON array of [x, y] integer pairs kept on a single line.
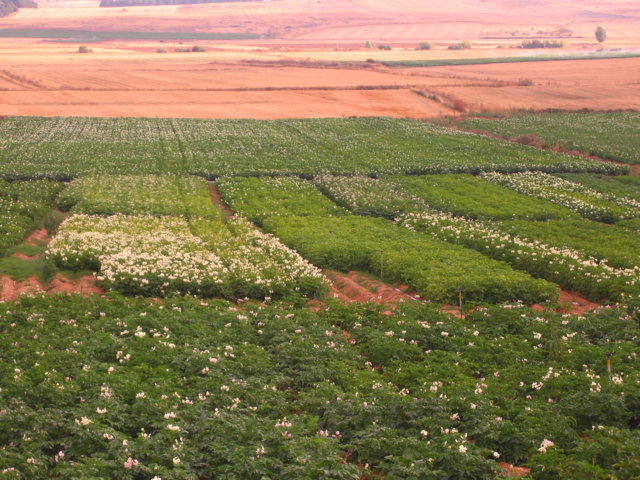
[[309, 60]]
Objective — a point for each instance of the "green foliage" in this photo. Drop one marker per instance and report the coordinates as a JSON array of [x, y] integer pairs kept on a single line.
[[23, 204], [433, 268], [139, 195], [610, 135], [601, 34], [84, 49], [193, 389], [618, 247], [587, 202], [261, 198], [50, 147], [473, 197], [425, 46], [622, 186], [368, 196], [573, 269]]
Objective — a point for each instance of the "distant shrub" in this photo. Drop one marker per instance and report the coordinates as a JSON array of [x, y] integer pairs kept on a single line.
[[425, 46], [161, 50], [182, 49], [368, 44], [84, 49], [385, 47], [198, 48], [525, 82], [542, 43], [466, 45]]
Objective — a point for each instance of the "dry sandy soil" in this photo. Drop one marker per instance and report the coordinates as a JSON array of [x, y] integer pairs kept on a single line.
[[293, 69]]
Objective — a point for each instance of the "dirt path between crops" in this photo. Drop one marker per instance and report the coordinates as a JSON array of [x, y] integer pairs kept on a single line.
[[359, 287], [11, 289], [217, 200]]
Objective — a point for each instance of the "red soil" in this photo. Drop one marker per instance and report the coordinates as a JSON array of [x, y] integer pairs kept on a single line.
[[571, 303], [356, 287], [11, 289], [509, 470], [38, 238], [218, 202]]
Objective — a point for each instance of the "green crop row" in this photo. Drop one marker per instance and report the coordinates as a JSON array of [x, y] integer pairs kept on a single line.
[[67, 147], [587, 202], [610, 243], [622, 186], [612, 135], [473, 197], [559, 262], [435, 269], [139, 194], [260, 198], [368, 196]]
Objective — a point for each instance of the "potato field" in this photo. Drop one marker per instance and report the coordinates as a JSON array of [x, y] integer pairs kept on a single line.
[[219, 347]]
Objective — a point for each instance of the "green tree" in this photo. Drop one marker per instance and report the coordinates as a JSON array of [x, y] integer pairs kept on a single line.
[[601, 34]]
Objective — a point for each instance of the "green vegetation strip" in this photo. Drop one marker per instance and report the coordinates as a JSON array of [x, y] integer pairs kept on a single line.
[[433, 268], [67, 147], [519, 59], [587, 202], [622, 186], [23, 204], [99, 35], [139, 194], [610, 135], [570, 264], [473, 197], [260, 198]]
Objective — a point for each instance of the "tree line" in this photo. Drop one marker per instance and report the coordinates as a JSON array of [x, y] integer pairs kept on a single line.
[[134, 3], [7, 7]]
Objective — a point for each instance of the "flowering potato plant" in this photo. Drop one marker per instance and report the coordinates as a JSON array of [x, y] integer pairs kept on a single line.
[[585, 201], [368, 196], [128, 388], [162, 255], [474, 197]]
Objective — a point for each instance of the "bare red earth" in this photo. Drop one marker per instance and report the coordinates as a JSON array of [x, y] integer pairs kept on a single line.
[[356, 287], [11, 289], [508, 470]]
